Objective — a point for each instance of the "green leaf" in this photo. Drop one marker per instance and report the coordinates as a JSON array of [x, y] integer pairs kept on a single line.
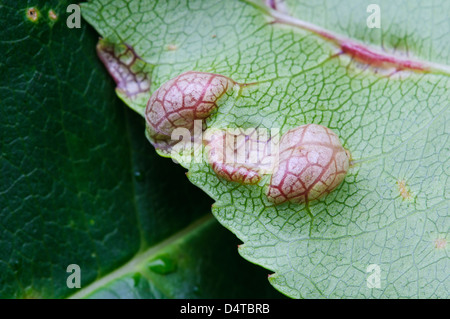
[[180, 267], [406, 26], [81, 185], [392, 209]]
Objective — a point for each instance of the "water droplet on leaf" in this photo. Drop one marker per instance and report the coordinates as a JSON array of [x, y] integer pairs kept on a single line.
[[138, 176], [162, 265]]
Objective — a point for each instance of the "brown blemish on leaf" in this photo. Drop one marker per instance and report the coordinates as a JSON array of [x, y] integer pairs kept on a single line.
[[52, 15], [32, 14], [403, 189], [172, 47], [440, 243]]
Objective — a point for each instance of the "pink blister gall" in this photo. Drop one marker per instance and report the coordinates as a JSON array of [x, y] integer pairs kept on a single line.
[[182, 100], [240, 155], [312, 163]]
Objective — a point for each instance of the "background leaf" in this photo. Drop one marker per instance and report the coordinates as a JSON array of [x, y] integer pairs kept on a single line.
[[80, 184], [392, 209]]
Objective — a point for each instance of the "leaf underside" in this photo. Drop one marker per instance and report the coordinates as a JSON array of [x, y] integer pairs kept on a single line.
[[392, 208]]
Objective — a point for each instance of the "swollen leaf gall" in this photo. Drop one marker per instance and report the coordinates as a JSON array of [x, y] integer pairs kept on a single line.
[[312, 163], [180, 101], [241, 155]]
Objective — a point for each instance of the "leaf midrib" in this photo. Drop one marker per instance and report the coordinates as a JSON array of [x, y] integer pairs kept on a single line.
[[132, 265], [287, 19]]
